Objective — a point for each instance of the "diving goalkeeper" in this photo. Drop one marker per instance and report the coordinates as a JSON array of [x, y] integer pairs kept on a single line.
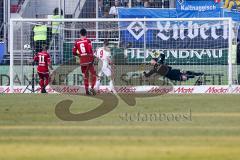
[[173, 74]]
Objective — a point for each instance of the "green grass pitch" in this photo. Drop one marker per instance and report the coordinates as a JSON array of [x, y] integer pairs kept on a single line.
[[30, 130]]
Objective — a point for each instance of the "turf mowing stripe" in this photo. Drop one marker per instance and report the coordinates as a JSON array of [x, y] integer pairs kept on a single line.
[[30, 127]]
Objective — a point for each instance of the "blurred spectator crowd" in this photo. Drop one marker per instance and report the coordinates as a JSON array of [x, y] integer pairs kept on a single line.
[[108, 8], [232, 4], [1, 20]]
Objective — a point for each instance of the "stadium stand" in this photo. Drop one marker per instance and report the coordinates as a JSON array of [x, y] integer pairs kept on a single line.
[[73, 9], [1, 20], [1, 30], [15, 5]]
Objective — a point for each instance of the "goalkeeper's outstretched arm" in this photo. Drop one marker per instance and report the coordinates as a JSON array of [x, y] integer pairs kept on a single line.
[[154, 63], [151, 72]]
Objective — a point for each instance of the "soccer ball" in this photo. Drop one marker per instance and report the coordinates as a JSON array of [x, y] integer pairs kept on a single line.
[[155, 54], [26, 46]]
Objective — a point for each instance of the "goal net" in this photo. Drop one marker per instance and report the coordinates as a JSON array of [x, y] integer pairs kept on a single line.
[[198, 45]]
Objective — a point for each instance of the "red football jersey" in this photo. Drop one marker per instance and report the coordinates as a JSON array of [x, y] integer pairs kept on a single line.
[[44, 60], [84, 48]]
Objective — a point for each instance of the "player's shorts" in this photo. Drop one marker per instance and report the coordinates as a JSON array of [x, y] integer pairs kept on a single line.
[[174, 74], [105, 71], [86, 69], [43, 75]]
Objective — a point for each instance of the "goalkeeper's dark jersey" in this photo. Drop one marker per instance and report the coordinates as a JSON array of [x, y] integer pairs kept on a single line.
[[165, 70]]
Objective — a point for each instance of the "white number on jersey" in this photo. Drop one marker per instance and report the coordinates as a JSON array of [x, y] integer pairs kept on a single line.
[[41, 59], [82, 48], [103, 55]]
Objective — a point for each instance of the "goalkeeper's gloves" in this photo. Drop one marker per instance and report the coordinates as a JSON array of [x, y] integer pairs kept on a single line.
[[162, 58], [145, 74]]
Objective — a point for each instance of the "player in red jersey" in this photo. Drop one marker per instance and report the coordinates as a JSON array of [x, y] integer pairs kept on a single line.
[[83, 49], [44, 61]]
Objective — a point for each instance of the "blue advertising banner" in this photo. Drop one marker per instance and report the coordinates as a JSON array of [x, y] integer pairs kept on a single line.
[[170, 34], [174, 35], [198, 5], [164, 13], [173, 13], [234, 15], [1, 51], [192, 42]]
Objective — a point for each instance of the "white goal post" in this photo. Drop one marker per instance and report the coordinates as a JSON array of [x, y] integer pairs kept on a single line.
[[195, 44]]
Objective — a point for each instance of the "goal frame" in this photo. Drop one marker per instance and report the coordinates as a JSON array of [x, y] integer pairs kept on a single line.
[[12, 20]]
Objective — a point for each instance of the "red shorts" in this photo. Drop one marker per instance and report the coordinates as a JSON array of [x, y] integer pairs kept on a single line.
[[43, 75], [89, 68]]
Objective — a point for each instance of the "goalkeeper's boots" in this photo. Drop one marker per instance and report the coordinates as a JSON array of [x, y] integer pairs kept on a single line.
[[194, 73], [190, 76], [199, 74]]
